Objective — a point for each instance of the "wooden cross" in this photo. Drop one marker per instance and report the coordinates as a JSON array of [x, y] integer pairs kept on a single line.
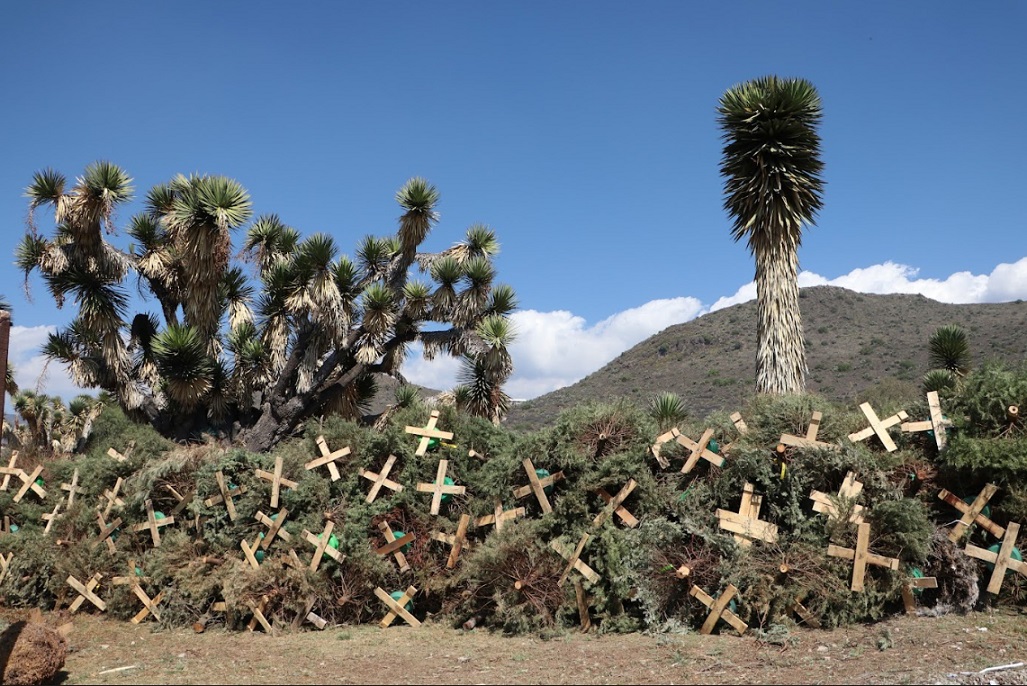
[[457, 541], [112, 497], [85, 592], [879, 427], [397, 608], [911, 587], [73, 488], [107, 531], [972, 513], [226, 495], [937, 423], [381, 479], [719, 609], [810, 439], [327, 458], [116, 455], [5, 565], [274, 527], [10, 470], [132, 578], [53, 516], [699, 450], [740, 426], [309, 615], [746, 524], [1002, 560], [258, 615], [850, 489], [149, 604], [427, 433], [321, 547], [537, 486], [28, 482], [153, 524], [440, 487], [181, 501], [804, 614], [394, 545], [614, 504], [574, 561], [861, 556], [250, 552], [656, 447], [277, 481], [499, 516]]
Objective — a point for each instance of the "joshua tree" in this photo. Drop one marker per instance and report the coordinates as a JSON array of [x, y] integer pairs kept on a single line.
[[771, 166], [305, 338]]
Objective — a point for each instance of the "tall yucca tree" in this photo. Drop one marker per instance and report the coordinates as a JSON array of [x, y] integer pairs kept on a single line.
[[302, 336], [773, 188]]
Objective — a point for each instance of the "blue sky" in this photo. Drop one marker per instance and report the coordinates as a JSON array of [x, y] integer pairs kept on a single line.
[[583, 132]]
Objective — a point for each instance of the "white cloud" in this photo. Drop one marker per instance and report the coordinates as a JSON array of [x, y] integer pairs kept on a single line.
[[29, 364]]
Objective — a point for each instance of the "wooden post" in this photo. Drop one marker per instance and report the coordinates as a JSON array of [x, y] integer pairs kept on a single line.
[[5, 565], [878, 427], [394, 545], [149, 604], [861, 557], [1002, 560], [457, 541], [937, 423], [850, 489], [614, 504], [397, 608], [746, 524], [718, 609], [972, 513], [805, 615], [499, 516], [250, 552], [153, 524], [582, 601], [5, 344], [427, 433], [258, 615], [574, 560], [537, 486], [657, 447], [277, 481], [381, 479], [698, 450], [118, 457], [73, 488], [327, 458], [439, 488], [226, 495]]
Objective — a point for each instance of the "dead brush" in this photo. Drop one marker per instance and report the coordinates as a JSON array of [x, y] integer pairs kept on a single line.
[[420, 555], [606, 436]]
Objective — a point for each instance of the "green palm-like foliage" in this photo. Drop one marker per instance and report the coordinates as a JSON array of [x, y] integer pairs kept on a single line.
[[772, 188], [941, 381], [668, 409], [949, 348], [302, 333], [180, 352]]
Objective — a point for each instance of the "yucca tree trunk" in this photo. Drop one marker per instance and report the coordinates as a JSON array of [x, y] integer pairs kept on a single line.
[[780, 347], [5, 344]]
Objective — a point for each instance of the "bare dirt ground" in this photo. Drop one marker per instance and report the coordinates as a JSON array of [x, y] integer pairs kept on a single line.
[[946, 650]]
